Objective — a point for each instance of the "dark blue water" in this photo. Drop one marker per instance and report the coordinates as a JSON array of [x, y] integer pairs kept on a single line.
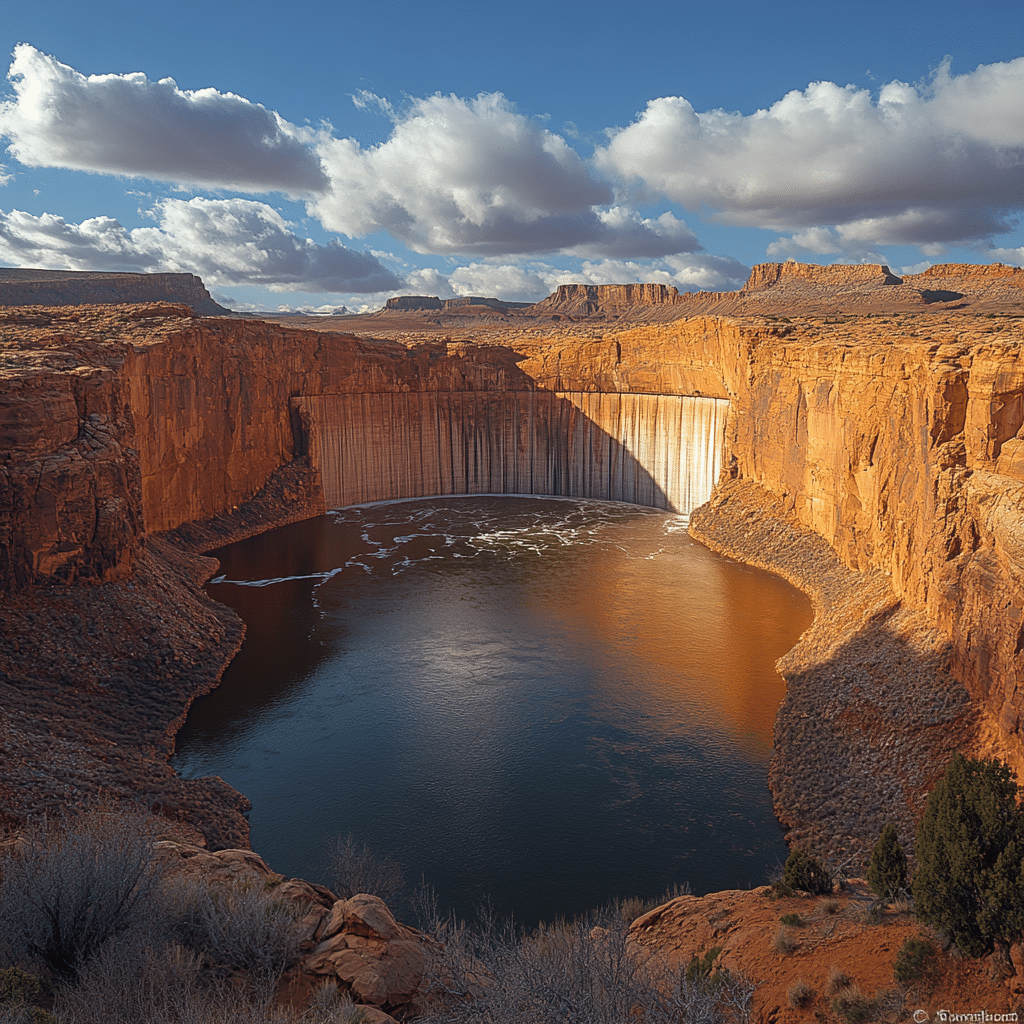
[[542, 702]]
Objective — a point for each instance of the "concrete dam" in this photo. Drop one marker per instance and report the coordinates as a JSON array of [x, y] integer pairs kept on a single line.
[[662, 451]]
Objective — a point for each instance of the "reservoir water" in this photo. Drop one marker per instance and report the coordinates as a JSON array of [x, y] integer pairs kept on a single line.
[[540, 702]]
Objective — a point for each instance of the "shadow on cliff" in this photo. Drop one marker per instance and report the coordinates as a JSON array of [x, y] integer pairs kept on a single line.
[[661, 451], [862, 736]]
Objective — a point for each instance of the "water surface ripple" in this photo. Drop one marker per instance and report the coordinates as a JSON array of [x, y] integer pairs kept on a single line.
[[546, 702]]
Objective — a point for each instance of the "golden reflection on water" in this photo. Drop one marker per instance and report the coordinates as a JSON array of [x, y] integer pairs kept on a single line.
[[713, 666], [511, 697]]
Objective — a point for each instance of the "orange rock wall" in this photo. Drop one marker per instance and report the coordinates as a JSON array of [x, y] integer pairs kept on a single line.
[[902, 452], [896, 441], [213, 403]]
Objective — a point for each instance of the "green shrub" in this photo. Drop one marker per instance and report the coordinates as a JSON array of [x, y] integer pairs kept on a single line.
[[887, 872], [792, 920], [806, 874], [969, 882], [19, 990], [702, 968], [914, 962]]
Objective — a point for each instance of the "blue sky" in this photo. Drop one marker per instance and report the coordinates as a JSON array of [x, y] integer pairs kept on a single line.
[[327, 154]]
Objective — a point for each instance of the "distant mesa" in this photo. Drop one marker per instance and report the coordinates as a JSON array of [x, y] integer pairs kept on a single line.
[[461, 304], [581, 299], [30, 287]]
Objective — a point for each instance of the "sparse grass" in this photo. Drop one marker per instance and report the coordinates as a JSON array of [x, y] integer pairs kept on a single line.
[[632, 907], [829, 906], [869, 913], [75, 883], [853, 1007], [800, 995], [577, 972], [355, 868], [239, 926], [838, 981], [783, 942]]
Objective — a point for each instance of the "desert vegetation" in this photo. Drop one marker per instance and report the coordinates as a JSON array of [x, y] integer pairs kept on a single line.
[[969, 882], [95, 927], [96, 930]]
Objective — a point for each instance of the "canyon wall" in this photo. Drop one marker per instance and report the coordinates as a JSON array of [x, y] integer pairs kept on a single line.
[[122, 421], [898, 440], [663, 451]]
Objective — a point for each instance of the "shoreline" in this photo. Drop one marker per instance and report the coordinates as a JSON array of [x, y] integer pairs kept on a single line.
[[879, 748], [871, 714]]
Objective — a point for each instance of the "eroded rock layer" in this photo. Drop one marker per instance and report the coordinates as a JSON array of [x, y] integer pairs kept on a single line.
[[78, 288]]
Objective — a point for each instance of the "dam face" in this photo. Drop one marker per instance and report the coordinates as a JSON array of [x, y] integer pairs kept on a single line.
[[661, 451]]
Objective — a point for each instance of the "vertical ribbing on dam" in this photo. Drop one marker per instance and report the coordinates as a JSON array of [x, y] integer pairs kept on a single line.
[[664, 451]]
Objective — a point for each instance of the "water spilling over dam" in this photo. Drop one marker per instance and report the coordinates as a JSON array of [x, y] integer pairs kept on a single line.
[[661, 451]]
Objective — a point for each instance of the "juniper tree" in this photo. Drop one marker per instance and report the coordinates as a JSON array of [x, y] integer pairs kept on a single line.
[[969, 881], [887, 872], [805, 873]]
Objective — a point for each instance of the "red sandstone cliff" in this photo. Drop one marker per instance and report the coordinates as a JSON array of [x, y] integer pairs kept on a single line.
[[118, 422], [788, 289], [582, 299], [896, 438]]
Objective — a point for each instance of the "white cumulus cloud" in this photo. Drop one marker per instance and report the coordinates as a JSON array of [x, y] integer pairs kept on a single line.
[[127, 124], [474, 177], [1013, 257], [225, 241], [923, 165], [533, 280]]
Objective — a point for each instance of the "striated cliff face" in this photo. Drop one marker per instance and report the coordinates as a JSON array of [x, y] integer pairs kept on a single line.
[[662, 451], [581, 299], [121, 422], [895, 438]]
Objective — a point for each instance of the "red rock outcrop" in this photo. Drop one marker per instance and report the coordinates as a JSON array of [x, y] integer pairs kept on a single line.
[[844, 945], [582, 299]]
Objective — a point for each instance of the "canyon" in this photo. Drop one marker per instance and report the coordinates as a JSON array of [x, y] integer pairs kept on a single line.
[[868, 431]]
